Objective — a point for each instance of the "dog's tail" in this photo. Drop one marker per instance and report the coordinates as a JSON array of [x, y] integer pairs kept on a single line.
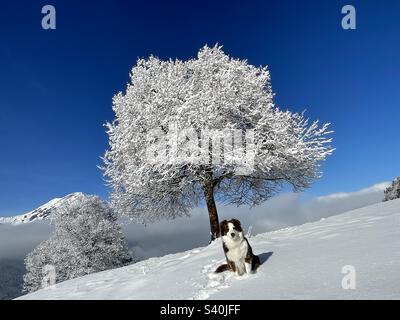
[[222, 268]]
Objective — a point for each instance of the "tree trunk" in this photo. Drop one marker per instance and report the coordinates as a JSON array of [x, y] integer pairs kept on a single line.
[[212, 211]]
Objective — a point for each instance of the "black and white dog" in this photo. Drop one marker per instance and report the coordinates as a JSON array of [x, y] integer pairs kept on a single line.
[[239, 255]]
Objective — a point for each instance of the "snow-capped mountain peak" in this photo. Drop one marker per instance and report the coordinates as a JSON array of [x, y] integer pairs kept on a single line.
[[41, 212]]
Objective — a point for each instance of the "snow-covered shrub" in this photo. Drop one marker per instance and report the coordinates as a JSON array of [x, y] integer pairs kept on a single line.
[[393, 191], [87, 238], [212, 93]]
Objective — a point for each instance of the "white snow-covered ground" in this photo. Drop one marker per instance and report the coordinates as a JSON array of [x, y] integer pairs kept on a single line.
[[302, 262]]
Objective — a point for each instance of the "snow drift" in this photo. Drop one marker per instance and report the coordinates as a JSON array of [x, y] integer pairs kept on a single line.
[[302, 262]]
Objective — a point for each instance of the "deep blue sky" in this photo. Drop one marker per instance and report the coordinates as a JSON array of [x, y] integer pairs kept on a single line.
[[56, 86]]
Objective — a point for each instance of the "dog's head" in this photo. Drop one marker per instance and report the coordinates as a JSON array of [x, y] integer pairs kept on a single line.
[[231, 229]]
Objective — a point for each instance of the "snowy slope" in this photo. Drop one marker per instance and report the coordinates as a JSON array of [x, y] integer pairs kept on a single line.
[[303, 262], [42, 212]]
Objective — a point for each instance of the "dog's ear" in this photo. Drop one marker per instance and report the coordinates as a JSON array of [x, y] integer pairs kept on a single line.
[[237, 224], [223, 227]]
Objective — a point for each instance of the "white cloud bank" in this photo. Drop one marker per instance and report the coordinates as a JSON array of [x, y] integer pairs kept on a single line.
[[281, 211], [185, 233]]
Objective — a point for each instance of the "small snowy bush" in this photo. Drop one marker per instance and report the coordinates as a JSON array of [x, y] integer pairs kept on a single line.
[[393, 191], [87, 239]]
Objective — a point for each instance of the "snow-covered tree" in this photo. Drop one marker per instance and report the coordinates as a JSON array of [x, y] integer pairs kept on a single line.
[[205, 129], [393, 191], [87, 238]]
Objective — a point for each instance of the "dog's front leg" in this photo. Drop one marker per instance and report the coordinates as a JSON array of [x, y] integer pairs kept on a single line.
[[247, 265]]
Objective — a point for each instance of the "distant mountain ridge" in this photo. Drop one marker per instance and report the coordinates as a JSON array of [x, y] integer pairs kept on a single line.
[[42, 212]]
